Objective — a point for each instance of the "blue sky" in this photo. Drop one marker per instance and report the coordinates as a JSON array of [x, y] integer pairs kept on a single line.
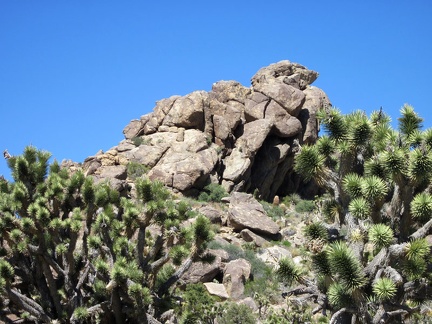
[[74, 73]]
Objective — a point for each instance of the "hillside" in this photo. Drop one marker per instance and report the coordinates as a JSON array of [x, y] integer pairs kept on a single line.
[[227, 207]]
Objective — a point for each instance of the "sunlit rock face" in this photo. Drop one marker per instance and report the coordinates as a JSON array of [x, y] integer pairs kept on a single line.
[[243, 138]]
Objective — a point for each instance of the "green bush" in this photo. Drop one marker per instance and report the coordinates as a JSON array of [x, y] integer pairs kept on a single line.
[[305, 206], [291, 199], [237, 314], [274, 212], [261, 274], [212, 192], [136, 170], [137, 140], [198, 306]]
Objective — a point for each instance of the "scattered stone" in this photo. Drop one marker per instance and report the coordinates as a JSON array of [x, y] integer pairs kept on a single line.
[[216, 289]]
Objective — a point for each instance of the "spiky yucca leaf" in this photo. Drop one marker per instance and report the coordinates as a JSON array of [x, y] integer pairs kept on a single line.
[[360, 130], [335, 125], [375, 167], [382, 136], [384, 289], [321, 263], [339, 296], [288, 272], [310, 164], [202, 229], [345, 265], [409, 121], [420, 165], [414, 268], [178, 253], [325, 145], [359, 208], [88, 191], [380, 235], [415, 138], [331, 210], [394, 161], [427, 137], [373, 188], [139, 294], [7, 271], [379, 117], [421, 206], [316, 230], [356, 235], [351, 183], [417, 249], [81, 313]]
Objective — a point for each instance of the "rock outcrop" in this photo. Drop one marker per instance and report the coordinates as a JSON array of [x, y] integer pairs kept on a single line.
[[243, 138]]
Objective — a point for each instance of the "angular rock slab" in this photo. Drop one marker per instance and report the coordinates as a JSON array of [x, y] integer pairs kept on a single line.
[[203, 272], [216, 289], [285, 125], [246, 212], [187, 111], [247, 145], [315, 100], [285, 95], [185, 170], [236, 273]]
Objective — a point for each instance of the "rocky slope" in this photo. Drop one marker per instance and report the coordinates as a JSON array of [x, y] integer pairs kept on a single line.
[[243, 138]]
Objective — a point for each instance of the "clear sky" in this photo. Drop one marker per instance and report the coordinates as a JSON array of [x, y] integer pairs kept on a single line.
[[74, 73]]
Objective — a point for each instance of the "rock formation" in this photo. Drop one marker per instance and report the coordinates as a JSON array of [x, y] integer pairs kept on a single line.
[[242, 138]]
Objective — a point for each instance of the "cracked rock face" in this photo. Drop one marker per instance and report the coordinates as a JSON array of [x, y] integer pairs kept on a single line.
[[241, 137]]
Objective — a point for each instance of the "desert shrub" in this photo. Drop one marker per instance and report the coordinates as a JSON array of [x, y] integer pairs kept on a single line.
[[261, 274], [305, 206], [275, 212], [137, 141], [292, 199], [237, 314], [198, 305], [136, 170], [212, 192]]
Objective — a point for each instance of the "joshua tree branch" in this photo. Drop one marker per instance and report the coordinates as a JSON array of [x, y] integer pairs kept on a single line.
[[28, 305]]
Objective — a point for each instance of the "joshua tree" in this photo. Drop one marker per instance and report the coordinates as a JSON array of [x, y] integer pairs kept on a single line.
[[75, 251], [380, 183]]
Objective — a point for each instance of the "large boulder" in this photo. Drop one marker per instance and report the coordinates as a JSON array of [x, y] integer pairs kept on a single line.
[[246, 212], [236, 273], [285, 125], [285, 95], [187, 111], [203, 272], [315, 100]]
